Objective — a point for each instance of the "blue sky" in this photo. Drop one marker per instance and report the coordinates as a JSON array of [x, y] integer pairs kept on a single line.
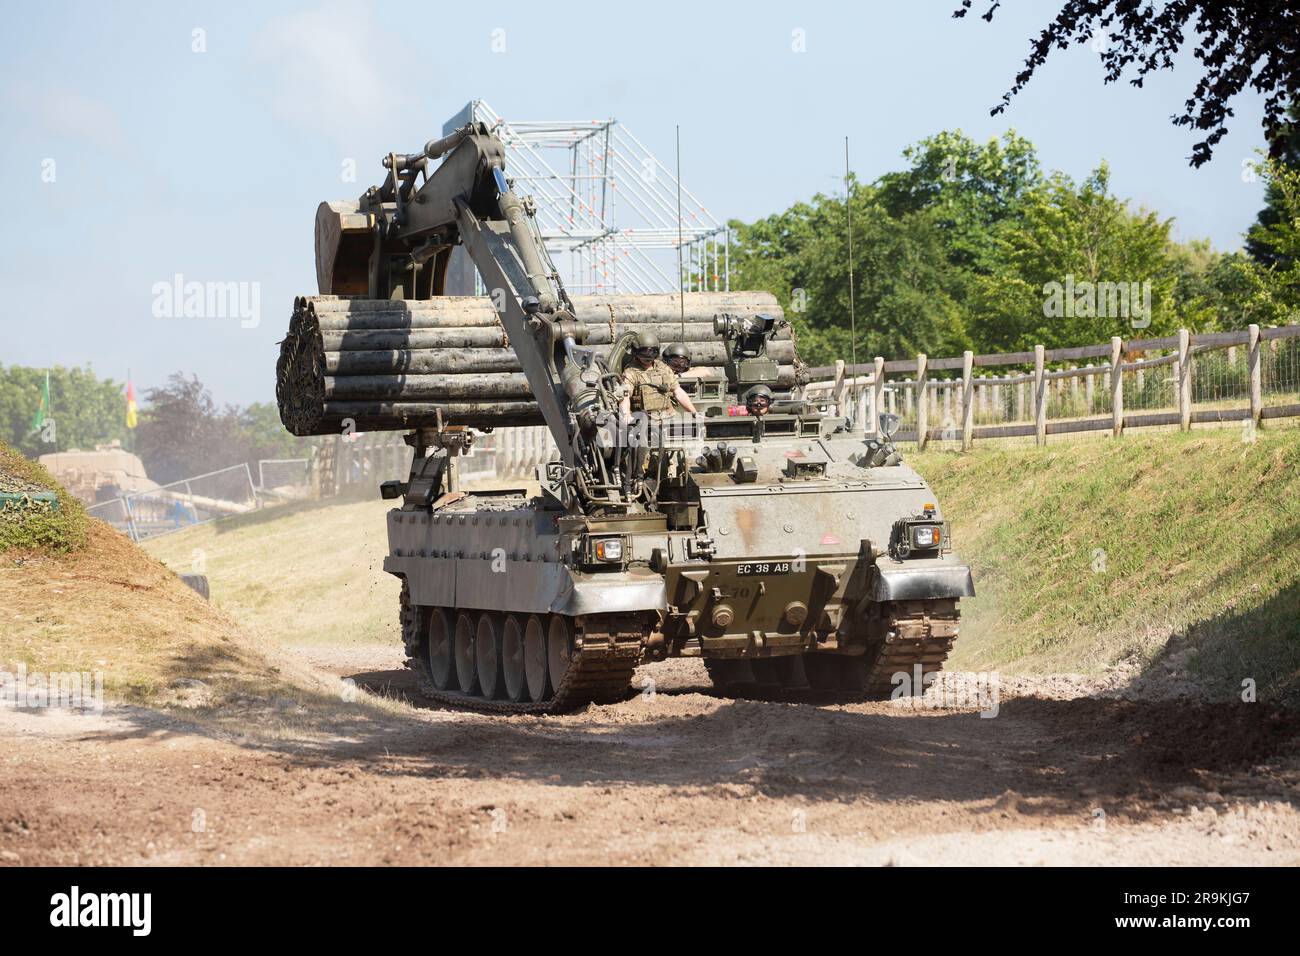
[[210, 164]]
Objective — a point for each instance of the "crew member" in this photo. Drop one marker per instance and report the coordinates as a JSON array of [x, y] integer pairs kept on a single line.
[[758, 400], [677, 358], [652, 385]]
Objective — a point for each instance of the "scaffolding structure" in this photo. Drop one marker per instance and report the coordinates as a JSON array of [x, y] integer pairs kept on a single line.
[[607, 208]]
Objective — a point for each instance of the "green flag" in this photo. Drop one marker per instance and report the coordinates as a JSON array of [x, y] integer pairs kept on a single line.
[[43, 413]]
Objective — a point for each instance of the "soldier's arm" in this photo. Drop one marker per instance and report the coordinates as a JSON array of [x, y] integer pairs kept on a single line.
[[625, 406], [683, 400]]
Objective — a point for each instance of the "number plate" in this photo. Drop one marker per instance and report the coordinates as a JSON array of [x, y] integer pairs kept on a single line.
[[762, 568]]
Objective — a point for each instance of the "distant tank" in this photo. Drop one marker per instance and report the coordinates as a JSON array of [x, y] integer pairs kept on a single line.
[[100, 475], [764, 534]]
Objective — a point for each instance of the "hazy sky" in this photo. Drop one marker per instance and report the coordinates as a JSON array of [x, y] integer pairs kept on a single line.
[[130, 158]]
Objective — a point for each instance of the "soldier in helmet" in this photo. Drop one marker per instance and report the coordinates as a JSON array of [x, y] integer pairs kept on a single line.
[[758, 400], [652, 385], [677, 358]]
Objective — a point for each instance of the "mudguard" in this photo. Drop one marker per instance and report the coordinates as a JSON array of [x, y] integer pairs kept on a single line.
[[611, 594], [921, 579]]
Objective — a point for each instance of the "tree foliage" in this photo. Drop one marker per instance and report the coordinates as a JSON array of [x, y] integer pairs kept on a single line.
[[966, 248], [1089, 243], [1258, 243], [183, 433], [1239, 44], [1268, 286], [86, 409]]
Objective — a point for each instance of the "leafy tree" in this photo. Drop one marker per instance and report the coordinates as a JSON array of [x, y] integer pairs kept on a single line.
[[971, 246], [1257, 240], [179, 434], [1269, 290], [87, 410], [905, 293], [1239, 43], [968, 189], [183, 433], [1071, 239]]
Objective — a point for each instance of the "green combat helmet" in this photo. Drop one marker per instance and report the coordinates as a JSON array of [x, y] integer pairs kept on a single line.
[[646, 346], [758, 400], [678, 358]]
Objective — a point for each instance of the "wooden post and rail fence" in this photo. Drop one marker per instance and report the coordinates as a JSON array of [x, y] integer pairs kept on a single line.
[[1247, 376]]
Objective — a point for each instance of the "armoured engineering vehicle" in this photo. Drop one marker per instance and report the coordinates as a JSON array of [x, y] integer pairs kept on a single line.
[[788, 549]]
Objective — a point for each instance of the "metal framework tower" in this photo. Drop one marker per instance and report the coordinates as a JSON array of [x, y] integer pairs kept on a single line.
[[607, 208]]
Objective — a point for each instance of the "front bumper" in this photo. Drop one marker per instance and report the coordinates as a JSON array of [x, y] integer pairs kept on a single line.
[[921, 579]]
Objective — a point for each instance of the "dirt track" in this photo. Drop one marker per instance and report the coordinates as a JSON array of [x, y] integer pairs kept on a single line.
[[679, 776]]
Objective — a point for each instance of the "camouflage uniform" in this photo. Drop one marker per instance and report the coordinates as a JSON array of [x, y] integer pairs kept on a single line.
[[651, 393], [651, 389]]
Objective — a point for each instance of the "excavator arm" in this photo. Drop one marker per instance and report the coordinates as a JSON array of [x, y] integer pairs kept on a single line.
[[468, 199]]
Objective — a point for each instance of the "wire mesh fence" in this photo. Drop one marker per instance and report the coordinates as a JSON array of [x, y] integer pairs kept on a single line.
[[181, 504], [284, 477], [1280, 372]]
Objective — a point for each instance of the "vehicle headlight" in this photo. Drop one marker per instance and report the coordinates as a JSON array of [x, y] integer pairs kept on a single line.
[[926, 536], [609, 549]]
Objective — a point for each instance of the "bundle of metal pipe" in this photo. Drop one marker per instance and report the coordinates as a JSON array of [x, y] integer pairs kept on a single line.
[[382, 365]]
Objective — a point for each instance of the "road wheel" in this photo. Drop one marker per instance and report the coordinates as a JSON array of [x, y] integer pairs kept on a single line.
[[539, 686], [512, 659], [559, 649], [466, 667], [487, 655], [441, 653]]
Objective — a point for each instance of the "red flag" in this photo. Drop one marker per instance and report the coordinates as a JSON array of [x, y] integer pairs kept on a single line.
[[130, 404]]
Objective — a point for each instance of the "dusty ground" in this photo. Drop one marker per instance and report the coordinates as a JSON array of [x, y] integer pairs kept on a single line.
[[676, 776]]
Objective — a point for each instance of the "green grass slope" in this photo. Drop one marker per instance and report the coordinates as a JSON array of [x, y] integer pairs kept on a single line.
[[306, 574], [1095, 553]]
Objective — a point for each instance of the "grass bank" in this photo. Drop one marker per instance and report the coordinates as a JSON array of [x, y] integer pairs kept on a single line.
[[1161, 547]]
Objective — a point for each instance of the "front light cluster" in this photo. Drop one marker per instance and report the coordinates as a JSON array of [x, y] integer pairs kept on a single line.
[[609, 549], [922, 536], [925, 536]]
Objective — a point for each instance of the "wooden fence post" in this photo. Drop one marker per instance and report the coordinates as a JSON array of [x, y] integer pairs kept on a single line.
[[967, 394], [837, 390], [878, 394], [1040, 398], [1116, 386], [1256, 388], [1184, 380], [922, 406]]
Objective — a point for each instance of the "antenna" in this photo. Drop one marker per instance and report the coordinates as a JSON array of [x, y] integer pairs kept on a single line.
[[853, 325], [681, 286]]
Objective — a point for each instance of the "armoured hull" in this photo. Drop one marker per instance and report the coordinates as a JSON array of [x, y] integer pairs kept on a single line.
[[785, 582]]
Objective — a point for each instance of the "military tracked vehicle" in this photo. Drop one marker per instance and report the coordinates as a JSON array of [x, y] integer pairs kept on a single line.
[[776, 540]]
